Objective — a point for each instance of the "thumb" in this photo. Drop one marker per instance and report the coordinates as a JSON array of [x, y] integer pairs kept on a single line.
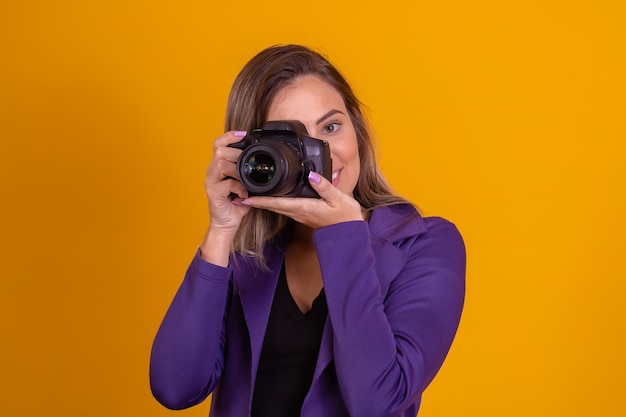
[[322, 186]]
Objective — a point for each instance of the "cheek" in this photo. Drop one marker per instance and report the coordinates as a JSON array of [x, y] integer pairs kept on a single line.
[[354, 151], [343, 153], [345, 150]]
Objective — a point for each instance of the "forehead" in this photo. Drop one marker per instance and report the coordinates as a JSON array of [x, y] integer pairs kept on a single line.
[[308, 93]]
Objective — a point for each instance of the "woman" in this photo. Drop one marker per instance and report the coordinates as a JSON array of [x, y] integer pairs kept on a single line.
[[343, 305]]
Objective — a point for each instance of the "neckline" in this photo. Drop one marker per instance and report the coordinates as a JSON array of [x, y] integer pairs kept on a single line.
[[288, 303]]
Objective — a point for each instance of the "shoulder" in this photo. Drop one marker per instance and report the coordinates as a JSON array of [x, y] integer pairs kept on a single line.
[[404, 221], [394, 222], [404, 227]]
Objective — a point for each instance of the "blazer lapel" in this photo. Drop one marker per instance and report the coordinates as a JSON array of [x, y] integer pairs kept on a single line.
[[256, 289]]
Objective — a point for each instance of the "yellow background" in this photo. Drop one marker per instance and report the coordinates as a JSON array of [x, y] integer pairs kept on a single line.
[[507, 118]]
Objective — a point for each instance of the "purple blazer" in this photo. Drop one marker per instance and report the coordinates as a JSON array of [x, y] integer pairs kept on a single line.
[[394, 286]]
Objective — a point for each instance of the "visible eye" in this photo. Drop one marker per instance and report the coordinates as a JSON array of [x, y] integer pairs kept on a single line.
[[332, 127]]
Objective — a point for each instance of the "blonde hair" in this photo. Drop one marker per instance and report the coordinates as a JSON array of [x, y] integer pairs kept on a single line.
[[248, 105]]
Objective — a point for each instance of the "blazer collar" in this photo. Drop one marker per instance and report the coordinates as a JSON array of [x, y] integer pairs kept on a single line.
[[393, 223]]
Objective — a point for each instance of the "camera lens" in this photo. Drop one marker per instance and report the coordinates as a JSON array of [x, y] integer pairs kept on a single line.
[[270, 168], [260, 168]]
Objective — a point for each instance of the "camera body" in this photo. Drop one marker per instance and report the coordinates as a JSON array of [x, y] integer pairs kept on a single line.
[[276, 160]]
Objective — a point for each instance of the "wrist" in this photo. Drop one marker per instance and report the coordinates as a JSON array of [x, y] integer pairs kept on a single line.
[[216, 246]]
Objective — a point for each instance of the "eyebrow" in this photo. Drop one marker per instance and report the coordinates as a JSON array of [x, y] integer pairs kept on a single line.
[[327, 115]]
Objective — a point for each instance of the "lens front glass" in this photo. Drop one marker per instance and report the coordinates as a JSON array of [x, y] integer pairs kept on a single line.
[[260, 168]]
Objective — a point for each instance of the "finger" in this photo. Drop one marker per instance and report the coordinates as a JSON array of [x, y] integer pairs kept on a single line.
[[237, 188], [219, 170], [227, 189], [227, 138], [226, 153], [284, 205]]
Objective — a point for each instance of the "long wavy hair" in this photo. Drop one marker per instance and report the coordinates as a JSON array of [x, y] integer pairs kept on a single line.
[[248, 104]]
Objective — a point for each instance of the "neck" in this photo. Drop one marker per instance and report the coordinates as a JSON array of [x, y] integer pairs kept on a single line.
[[302, 232]]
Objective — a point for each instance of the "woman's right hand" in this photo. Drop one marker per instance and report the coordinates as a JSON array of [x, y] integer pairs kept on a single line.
[[225, 211]]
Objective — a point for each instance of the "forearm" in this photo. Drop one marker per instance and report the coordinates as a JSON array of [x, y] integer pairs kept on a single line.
[[388, 342], [187, 354]]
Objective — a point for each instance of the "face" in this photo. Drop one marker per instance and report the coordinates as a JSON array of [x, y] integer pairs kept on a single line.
[[322, 111]]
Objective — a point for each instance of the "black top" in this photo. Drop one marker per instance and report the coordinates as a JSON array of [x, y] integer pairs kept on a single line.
[[289, 354]]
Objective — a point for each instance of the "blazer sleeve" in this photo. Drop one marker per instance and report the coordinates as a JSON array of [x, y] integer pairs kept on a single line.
[[188, 351], [388, 344]]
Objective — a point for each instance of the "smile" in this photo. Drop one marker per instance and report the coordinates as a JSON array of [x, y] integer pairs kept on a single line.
[[335, 176]]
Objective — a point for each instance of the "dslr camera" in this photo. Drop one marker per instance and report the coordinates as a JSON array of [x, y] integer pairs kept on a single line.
[[276, 160]]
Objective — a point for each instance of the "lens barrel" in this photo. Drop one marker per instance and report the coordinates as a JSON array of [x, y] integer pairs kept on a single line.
[[270, 168]]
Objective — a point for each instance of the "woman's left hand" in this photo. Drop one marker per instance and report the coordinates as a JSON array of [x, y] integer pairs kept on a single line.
[[333, 207]]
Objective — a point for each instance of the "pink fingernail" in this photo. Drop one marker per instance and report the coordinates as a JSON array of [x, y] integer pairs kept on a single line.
[[246, 203], [315, 177], [240, 133]]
